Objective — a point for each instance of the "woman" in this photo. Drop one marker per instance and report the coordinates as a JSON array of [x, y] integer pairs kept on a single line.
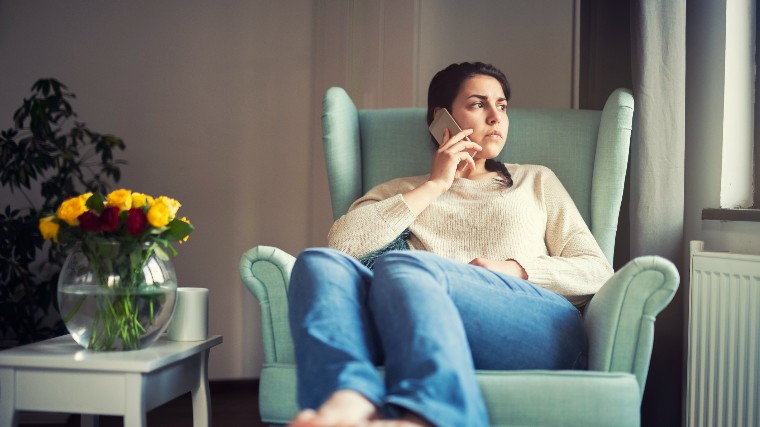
[[502, 261]]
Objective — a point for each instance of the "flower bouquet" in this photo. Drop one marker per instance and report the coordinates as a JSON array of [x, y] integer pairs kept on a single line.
[[117, 286]]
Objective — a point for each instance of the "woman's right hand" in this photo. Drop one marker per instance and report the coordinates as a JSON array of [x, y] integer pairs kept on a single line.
[[446, 159], [454, 151]]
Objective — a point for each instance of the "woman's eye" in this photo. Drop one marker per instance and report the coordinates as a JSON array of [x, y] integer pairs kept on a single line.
[[478, 105], [503, 107]]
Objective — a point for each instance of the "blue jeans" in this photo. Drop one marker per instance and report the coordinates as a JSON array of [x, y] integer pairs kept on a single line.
[[430, 322]]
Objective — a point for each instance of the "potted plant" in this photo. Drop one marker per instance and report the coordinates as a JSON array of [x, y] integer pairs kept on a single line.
[[49, 152]]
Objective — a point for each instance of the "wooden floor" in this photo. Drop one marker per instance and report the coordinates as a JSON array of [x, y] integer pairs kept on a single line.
[[233, 403]]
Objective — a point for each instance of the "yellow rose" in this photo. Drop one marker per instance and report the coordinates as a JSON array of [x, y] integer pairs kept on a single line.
[[70, 210], [121, 199], [139, 200], [49, 228], [172, 204], [158, 214]]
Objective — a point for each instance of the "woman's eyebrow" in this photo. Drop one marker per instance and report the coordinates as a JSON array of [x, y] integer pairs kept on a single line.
[[485, 98]]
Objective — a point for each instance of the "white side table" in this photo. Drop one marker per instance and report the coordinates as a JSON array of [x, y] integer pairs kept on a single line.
[[58, 375]]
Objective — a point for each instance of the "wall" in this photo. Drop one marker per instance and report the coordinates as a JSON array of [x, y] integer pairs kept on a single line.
[[219, 105], [211, 100], [532, 42]]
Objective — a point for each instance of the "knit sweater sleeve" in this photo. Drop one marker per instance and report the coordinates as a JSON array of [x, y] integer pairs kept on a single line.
[[374, 220], [575, 265]]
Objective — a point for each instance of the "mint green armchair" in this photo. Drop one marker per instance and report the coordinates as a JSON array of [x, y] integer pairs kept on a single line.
[[588, 151]]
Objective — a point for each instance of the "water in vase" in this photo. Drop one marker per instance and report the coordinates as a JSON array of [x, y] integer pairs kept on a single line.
[[104, 318]]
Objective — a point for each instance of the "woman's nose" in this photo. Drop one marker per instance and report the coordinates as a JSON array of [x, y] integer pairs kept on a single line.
[[493, 116]]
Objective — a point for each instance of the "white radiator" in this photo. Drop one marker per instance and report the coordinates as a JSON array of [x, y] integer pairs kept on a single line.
[[723, 366]]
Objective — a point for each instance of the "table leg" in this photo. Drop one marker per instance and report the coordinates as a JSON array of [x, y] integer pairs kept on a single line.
[[8, 398], [201, 395], [134, 405]]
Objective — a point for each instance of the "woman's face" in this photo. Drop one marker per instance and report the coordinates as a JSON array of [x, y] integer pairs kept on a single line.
[[481, 106]]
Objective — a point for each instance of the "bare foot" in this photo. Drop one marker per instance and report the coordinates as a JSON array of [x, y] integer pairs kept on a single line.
[[345, 408]]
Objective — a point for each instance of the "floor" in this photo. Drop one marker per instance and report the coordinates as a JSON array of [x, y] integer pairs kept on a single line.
[[233, 403]]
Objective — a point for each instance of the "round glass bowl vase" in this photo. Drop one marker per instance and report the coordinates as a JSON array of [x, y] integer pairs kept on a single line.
[[112, 304]]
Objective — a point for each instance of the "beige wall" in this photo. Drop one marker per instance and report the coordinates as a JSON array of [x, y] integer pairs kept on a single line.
[[218, 103], [532, 42]]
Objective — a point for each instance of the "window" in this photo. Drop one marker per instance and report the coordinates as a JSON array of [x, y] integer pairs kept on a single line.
[[740, 172]]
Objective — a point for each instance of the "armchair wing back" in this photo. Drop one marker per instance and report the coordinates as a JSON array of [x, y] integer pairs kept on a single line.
[[588, 151]]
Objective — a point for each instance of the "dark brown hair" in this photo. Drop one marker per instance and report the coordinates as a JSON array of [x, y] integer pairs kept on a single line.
[[444, 88]]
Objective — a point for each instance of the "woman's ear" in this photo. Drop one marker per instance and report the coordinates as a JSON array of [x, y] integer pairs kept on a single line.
[[435, 111]]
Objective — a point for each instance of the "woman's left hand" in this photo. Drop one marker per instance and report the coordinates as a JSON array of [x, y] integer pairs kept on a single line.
[[510, 266]]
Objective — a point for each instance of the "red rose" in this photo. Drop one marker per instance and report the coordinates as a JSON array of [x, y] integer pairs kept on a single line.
[[109, 218], [136, 221], [89, 221]]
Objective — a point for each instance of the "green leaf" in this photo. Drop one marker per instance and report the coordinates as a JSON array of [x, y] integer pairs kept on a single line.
[[177, 230], [95, 202]]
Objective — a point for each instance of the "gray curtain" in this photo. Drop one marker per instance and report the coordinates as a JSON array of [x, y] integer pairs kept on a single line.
[[658, 60], [658, 57]]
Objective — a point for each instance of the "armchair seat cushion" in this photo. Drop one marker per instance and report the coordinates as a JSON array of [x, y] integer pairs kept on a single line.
[[567, 398]]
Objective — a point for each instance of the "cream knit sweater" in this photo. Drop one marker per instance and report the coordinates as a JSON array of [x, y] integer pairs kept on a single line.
[[535, 222]]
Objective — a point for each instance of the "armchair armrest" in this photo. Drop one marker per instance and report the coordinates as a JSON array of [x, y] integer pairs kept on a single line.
[[620, 318], [265, 271]]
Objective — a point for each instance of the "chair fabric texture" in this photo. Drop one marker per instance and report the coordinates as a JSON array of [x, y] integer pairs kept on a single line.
[[588, 151]]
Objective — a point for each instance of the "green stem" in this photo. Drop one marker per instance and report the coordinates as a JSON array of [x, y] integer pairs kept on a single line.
[[74, 310]]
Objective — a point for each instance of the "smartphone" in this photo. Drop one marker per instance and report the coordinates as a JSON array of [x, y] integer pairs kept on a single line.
[[441, 122]]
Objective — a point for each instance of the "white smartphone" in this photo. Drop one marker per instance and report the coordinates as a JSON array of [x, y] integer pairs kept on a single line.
[[442, 121]]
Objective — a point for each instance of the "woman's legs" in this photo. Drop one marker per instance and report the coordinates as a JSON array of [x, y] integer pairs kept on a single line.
[[429, 312], [464, 317]]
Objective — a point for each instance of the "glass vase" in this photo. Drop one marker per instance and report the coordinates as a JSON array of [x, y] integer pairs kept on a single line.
[[114, 298]]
